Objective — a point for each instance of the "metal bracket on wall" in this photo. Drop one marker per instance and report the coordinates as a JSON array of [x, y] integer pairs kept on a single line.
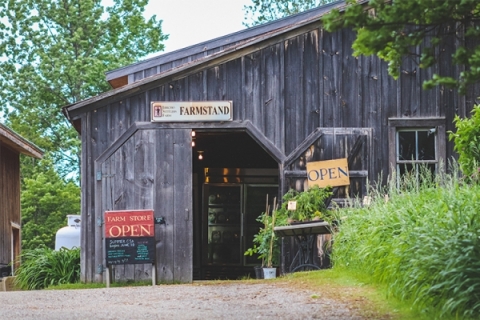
[[160, 220], [99, 222], [100, 175], [100, 269]]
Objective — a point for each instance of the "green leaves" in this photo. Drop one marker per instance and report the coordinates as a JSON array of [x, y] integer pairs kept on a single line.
[[467, 144], [54, 53], [44, 267], [46, 200], [423, 244], [419, 29], [262, 11]]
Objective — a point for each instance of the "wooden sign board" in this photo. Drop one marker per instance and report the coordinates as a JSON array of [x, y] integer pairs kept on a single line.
[[129, 237], [133, 250], [191, 111], [129, 223], [332, 173]]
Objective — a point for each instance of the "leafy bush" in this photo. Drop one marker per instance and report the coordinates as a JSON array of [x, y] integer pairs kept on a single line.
[[311, 204], [44, 267], [424, 244], [467, 143]]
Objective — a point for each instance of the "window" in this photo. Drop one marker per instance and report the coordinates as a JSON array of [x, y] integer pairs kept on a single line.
[[416, 141], [416, 147]]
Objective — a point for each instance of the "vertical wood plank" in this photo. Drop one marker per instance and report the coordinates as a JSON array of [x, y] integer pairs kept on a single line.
[[233, 87], [311, 103], [182, 206], [164, 195], [331, 62], [294, 95]]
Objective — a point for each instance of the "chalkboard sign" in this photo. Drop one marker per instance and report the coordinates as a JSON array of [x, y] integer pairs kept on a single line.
[[132, 250]]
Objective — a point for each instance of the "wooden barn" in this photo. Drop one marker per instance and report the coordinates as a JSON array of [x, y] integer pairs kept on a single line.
[[11, 146], [201, 136]]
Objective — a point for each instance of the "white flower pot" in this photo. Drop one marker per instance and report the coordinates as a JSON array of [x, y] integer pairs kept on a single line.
[[269, 273]]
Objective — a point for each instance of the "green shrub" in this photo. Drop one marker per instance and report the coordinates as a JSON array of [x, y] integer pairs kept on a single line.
[[311, 204], [424, 244], [44, 267], [467, 143]]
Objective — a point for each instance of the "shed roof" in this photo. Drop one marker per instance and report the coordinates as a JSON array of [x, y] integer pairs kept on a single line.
[[12, 139], [223, 42], [233, 46]]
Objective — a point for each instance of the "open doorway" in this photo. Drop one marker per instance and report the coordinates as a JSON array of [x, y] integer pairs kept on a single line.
[[232, 174]]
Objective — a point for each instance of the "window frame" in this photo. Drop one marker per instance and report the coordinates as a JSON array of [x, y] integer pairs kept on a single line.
[[416, 124]]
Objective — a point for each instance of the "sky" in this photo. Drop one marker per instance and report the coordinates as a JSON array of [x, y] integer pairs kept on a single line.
[[189, 22]]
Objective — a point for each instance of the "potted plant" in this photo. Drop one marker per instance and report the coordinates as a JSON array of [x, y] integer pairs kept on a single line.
[[265, 242]]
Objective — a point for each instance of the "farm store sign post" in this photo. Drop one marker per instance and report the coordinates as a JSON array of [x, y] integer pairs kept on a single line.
[[129, 239], [331, 173]]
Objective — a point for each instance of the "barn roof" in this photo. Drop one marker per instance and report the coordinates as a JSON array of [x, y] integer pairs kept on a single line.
[[16, 142], [232, 46]]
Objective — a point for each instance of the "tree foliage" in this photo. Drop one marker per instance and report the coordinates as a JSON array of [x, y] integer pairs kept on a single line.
[[46, 200], [261, 11], [394, 30], [467, 143], [54, 53]]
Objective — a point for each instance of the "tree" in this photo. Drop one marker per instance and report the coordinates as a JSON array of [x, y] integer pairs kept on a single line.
[[54, 53], [262, 11], [46, 200], [419, 29]]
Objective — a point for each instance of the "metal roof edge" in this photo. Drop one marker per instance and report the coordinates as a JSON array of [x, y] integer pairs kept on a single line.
[[223, 40]]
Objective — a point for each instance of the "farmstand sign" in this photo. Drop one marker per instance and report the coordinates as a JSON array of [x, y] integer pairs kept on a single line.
[[191, 111]]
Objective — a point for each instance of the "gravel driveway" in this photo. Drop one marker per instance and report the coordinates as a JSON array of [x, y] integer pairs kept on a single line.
[[228, 300]]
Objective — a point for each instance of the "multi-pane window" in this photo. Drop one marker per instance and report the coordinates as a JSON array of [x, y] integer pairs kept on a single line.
[[416, 147]]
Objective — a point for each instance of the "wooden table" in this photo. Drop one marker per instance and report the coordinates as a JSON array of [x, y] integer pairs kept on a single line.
[[304, 234]]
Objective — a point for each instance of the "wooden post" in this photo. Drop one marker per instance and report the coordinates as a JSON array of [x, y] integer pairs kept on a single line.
[[154, 275]]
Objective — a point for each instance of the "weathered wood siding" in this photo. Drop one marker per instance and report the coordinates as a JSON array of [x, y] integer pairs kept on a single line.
[[9, 200], [286, 88]]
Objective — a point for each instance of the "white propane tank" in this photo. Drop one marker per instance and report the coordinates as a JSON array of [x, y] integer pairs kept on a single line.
[[69, 236]]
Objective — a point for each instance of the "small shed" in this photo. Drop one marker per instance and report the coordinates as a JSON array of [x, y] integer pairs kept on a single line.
[[203, 134], [12, 146]]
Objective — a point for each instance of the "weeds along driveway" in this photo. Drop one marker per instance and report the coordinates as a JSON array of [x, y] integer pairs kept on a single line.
[[200, 300]]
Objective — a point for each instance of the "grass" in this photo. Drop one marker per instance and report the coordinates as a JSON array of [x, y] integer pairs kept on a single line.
[[355, 291], [423, 245], [44, 267]]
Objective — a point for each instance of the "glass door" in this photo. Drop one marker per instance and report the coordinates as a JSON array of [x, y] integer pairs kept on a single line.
[[224, 224]]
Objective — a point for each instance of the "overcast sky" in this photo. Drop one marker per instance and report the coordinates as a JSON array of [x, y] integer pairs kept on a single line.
[[189, 22]]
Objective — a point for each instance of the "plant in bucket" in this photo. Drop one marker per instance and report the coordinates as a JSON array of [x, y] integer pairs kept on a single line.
[[265, 242]]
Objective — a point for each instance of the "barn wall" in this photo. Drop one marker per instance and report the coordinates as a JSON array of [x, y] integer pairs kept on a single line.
[[286, 89], [9, 200]]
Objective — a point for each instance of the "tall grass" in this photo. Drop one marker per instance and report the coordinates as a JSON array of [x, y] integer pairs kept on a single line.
[[423, 243], [44, 267]]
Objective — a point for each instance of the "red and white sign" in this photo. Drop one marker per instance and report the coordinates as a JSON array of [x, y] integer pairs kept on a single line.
[[129, 223]]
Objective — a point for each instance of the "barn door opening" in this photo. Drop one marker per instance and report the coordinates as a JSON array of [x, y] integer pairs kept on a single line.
[[232, 175]]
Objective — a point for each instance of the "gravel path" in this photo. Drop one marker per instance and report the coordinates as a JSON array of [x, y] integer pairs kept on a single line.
[[229, 300]]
